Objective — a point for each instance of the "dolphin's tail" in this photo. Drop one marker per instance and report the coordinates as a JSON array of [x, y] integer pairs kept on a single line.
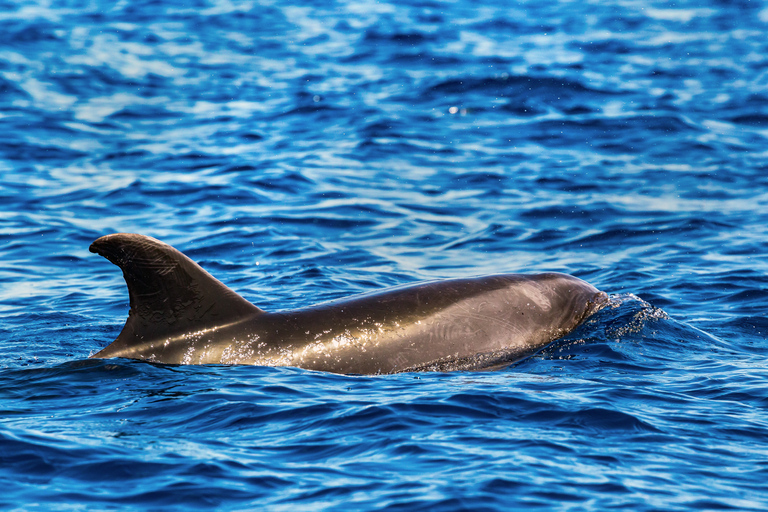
[[169, 293]]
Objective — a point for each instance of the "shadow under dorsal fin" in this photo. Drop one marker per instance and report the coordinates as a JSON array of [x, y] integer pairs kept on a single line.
[[169, 293]]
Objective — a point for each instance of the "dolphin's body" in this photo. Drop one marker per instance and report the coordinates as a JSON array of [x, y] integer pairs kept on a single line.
[[180, 314]]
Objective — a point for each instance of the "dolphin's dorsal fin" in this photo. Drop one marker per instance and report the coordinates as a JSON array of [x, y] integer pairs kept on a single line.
[[169, 293]]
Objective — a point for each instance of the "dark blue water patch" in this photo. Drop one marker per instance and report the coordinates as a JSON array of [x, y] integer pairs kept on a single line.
[[602, 133], [405, 39], [754, 327], [26, 34], [8, 89], [610, 47], [157, 113], [505, 25], [521, 96], [757, 120], [26, 152], [590, 213], [509, 86]]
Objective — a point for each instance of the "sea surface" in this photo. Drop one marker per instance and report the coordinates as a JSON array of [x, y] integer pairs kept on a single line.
[[307, 151]]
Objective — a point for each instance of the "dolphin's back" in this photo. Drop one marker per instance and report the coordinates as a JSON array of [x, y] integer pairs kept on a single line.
[[443, 325], [180, 314]]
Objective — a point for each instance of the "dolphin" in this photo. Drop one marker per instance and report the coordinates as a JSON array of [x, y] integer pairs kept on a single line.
[[180, 314]]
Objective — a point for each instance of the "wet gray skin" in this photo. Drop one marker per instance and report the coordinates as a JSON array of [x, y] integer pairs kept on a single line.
[[180, 314]]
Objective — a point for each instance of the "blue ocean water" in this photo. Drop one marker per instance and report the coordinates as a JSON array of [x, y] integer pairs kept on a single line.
[[311, 151]]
